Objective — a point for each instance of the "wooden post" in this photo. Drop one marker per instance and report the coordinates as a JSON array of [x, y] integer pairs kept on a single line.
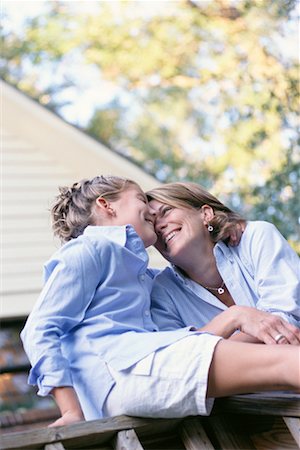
[[293, 424], [194, 436], [127, 440], [55, 446]]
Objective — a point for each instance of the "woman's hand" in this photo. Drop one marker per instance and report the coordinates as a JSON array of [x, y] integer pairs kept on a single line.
[[266, 327], [254, 326], [236, 234]]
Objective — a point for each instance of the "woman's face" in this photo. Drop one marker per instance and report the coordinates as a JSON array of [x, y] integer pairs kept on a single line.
[[180, 231]]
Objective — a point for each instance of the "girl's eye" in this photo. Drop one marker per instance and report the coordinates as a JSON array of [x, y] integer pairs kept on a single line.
[[144, 200]]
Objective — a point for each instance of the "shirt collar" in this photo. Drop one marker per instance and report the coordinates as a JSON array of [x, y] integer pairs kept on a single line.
[[117, 234], [222, 250], [124, 235], [178, 274], [219, 248]]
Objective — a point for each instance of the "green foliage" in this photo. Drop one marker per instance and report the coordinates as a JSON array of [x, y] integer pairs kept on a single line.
[[211, 91], [104, 125], [278, 200]]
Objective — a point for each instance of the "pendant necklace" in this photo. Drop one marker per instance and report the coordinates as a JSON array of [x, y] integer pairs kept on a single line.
[[220, 289]]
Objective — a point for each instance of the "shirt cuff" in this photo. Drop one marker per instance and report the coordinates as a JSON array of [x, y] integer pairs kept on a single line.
[[47, 382]]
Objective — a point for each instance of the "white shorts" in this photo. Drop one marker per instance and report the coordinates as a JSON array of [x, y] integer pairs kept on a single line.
[[171, 382]]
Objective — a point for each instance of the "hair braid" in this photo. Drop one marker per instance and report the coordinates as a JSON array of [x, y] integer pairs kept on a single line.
[[72, 210]]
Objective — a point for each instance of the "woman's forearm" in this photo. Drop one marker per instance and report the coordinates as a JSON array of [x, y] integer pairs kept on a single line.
[[243, 337], [225, 323]]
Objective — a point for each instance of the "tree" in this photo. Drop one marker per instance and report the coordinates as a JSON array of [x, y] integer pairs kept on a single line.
[[205, 91]]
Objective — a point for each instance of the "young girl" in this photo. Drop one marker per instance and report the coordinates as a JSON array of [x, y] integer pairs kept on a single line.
[[90, 337]]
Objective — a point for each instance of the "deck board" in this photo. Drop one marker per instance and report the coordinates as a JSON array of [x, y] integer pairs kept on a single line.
[[268, 421], [83, 434], [267, 403]]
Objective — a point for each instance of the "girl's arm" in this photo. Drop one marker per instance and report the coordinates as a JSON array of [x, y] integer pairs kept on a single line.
[[73, 275], [69, 406]]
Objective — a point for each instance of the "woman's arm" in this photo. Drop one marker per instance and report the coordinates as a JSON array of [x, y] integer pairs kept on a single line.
[[276, 270], [259, 326]]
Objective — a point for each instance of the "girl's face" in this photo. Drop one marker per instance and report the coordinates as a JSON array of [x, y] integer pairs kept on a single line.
[[132, 208], [180, 232]]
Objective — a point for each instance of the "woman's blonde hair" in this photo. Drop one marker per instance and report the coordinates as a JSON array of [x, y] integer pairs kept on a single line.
[[191, 195], [72, 210]]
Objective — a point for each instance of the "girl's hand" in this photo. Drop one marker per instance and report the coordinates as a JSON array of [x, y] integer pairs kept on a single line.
[[68, 403], [67, 418]]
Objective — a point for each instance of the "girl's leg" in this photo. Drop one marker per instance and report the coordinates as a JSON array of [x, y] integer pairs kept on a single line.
[[239, 368]]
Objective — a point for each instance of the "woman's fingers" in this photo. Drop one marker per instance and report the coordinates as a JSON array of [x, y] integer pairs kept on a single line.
[[287, 334], [269, 328], [280, 332], [266, 327]]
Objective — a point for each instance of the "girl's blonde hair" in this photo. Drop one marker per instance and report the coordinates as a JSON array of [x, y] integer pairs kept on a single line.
[[72, 210], [191, 195]]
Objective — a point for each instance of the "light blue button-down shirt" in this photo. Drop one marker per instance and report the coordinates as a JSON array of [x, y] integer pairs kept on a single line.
[[94, 310], [262, 271]]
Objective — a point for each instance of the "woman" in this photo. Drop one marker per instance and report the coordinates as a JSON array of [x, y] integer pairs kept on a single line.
[[207, 276]]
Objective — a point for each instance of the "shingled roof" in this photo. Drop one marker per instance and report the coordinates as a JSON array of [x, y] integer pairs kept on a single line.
[[39, 152]]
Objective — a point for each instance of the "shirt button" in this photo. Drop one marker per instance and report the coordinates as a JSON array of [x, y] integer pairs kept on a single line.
[[142, 277], [147, 313]]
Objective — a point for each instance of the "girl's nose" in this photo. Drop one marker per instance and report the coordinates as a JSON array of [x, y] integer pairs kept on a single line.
[[152, 211], [159, 224]]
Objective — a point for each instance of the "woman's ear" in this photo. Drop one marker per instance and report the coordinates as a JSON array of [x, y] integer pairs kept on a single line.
[[105, 206], [207, 214]]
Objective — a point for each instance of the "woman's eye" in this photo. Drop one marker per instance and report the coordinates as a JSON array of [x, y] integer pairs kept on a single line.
[[166, 210]]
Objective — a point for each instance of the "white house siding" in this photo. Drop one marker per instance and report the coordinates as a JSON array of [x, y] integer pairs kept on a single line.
[[39, 152]]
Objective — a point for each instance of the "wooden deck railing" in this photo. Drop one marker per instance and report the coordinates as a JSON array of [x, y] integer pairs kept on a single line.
[[242, 422]]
